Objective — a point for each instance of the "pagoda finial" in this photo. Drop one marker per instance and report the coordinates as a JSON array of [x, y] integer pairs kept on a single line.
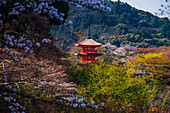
[[88, 32]]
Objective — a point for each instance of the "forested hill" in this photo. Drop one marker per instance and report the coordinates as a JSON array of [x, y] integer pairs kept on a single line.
[[123, 25]]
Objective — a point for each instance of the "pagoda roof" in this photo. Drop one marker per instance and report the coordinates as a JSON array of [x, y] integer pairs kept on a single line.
[[88, 42], [76, 54]]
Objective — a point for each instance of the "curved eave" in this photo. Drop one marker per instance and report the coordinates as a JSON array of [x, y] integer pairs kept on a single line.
[[97, 54], [89, 45], [80, 45], [77, 45]]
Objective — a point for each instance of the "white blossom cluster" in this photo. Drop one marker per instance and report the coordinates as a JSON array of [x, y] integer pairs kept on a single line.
[[78, 101], [10, 53], [2, 2], [46, 40], [96, 4], [1, 22], [14, 106], [22, 43], [45, 7], [41, 7], [69, 24]]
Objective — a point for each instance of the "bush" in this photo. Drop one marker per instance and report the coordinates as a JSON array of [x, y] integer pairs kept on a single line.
[[115, 85]]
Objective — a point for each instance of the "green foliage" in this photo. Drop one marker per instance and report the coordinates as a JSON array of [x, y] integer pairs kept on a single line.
[[165, 27], [82, 76], [155, 22], [151, 65], [103, 82], [95, 36], [136, 40], [122, 20]]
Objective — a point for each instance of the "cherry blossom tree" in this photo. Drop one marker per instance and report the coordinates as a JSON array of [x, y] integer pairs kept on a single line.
[[25, 26]]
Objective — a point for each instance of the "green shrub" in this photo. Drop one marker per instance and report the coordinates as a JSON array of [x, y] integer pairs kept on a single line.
[[107, 83]]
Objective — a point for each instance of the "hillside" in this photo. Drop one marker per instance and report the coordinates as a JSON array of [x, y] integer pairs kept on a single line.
[[38, 74], [123, 25]]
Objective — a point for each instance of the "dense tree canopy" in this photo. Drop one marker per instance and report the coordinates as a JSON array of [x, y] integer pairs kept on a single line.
[[123, 24]]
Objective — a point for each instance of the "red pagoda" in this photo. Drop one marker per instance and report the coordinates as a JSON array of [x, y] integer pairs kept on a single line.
[[88, 54]]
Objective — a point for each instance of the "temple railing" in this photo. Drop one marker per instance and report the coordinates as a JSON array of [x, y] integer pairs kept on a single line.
[[86, 51]]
